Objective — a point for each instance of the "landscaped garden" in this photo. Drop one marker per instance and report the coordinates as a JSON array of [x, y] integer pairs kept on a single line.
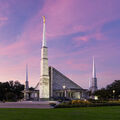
[[85, 103], [83, 113]]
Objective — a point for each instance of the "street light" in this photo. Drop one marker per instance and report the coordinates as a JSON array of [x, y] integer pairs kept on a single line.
[[113, 94], [64, 90], [96, 97], [64, 86]]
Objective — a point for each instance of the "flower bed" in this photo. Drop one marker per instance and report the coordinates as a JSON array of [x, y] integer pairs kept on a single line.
[[81, 103]]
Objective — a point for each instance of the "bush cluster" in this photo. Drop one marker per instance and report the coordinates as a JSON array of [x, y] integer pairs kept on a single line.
[[81, 103]]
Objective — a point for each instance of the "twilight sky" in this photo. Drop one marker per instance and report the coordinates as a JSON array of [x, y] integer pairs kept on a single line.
[[76, 30]]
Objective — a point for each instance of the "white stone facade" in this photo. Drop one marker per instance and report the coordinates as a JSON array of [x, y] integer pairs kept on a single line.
[[44, 77]]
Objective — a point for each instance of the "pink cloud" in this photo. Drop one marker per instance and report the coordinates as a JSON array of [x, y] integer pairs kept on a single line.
[[3, 18], [81, 38], [75, 65], [91, 36], [3, 21], [4, 12], [14, 49], [65, 17]]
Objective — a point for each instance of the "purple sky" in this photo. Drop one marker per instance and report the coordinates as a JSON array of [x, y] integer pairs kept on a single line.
[[76, 30]]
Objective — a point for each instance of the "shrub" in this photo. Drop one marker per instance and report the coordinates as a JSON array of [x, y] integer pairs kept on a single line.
[[114, 101], [97, 101], [80, 102]]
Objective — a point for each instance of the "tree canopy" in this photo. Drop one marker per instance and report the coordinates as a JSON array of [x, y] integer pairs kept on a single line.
[[11, 91], [112, 91]]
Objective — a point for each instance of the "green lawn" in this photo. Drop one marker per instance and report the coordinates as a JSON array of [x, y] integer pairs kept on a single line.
[[91, 113]]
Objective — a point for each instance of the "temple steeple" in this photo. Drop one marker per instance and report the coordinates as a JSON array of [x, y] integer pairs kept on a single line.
[[44, 75], [93, 86], [26, 82], [26, 88]]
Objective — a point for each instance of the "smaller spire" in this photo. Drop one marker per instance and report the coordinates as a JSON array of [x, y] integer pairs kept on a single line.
[[89, 82], [26, 82], [26, 72], [94, 69], [43, 41]]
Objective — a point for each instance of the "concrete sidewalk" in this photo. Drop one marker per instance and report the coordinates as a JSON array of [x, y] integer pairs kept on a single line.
[[26, 104]]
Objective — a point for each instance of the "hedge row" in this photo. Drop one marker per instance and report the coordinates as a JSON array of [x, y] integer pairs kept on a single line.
[[66, 105]]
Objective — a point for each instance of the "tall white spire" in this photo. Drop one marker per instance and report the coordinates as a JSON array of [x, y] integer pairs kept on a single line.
[[44, 40], [26, 72], [89, 82], [94, 69], [26, 82], [44, 72], [93, 87]]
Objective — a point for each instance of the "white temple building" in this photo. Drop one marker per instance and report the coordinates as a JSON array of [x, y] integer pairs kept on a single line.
[[53, 84]]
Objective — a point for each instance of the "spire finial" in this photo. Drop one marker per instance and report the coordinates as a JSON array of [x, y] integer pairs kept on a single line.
[[43, 19]]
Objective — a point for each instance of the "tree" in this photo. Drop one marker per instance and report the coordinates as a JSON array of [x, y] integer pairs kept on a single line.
[[112, 91], [11, 91]]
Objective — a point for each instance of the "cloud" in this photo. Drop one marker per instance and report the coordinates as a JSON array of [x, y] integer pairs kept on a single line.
[[14, 49], [69, 17], [89, 37], [3, 18], [4, 12]]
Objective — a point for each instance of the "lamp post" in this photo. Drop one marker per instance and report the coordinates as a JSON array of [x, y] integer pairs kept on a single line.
[[113, 94], [64, 90]]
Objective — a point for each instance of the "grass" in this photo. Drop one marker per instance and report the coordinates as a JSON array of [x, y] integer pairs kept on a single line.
[[87, 113]]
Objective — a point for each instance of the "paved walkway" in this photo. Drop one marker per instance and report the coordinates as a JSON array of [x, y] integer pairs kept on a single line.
[[25, 104]]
